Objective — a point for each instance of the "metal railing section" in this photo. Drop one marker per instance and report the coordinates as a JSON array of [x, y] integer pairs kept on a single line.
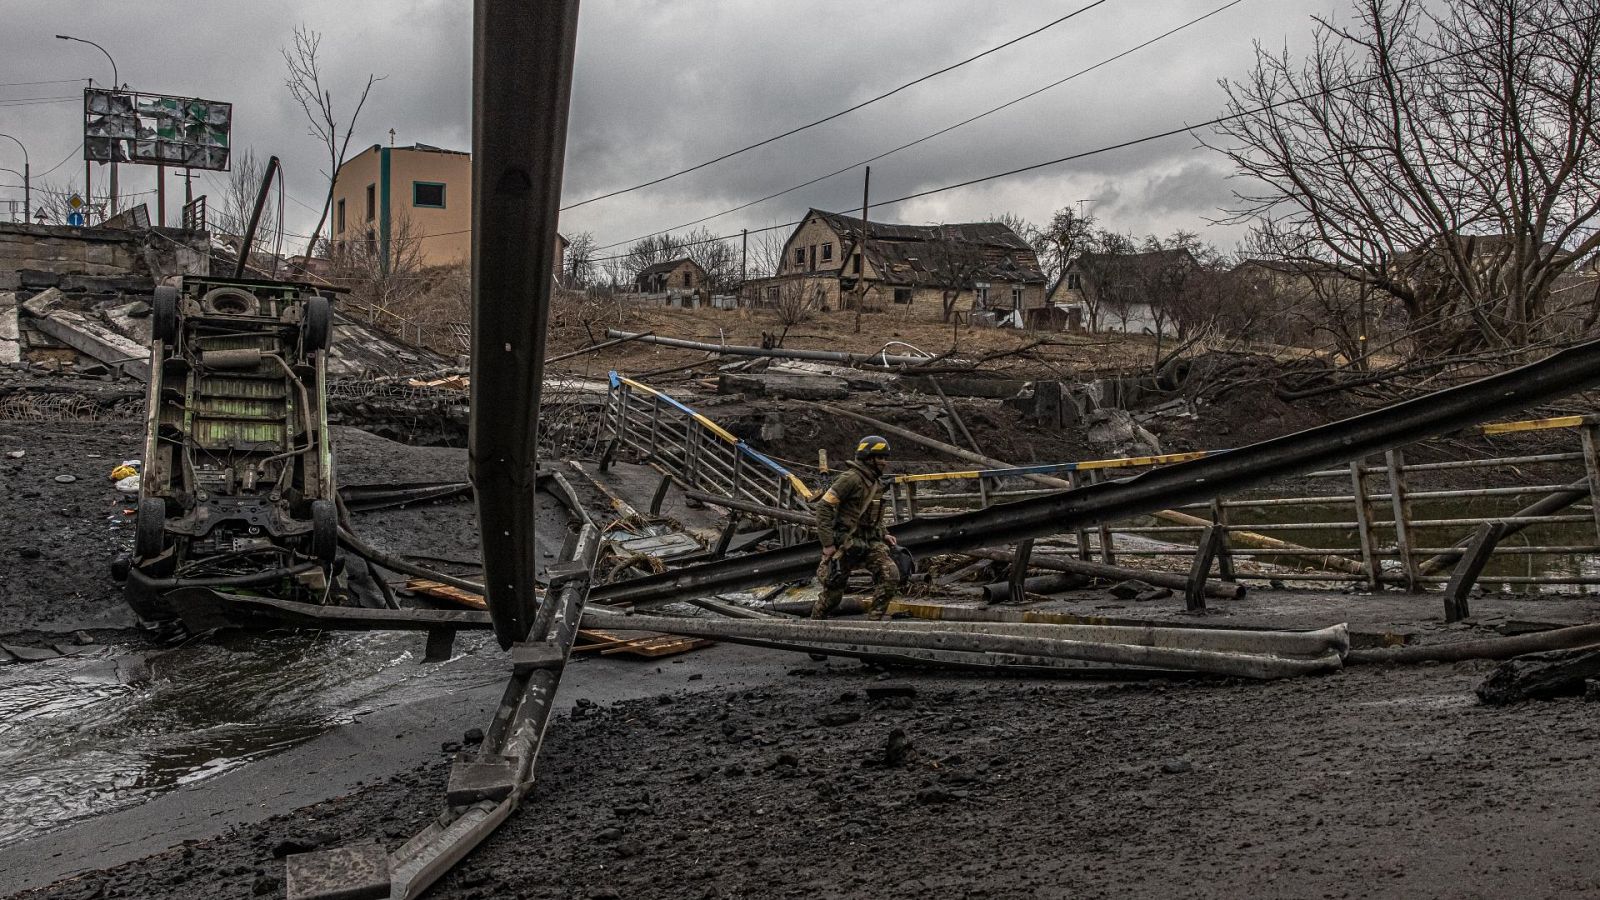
[[696, 452], [1382, 526]]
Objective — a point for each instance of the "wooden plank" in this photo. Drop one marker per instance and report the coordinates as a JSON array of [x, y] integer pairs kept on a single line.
[[646, 644], [445, 592]]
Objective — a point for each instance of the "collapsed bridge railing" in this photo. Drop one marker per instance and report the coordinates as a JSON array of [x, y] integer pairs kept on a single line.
[[1391, 529], [1196, 481], [689, 448]]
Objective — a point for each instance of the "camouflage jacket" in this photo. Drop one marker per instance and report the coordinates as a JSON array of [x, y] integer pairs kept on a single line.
[[850, 512]]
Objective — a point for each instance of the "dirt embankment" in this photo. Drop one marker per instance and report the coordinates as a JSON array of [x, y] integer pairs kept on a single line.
[[1370, 783]]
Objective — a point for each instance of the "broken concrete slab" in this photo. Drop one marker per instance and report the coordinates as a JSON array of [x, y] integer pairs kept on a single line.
[[92, 339], [44, 302], [341, 873], [23, 653], [10, 335]]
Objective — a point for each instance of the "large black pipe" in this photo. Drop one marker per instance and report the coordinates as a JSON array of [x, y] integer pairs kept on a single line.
[[255, 218], [521, 84], [1224, 473]]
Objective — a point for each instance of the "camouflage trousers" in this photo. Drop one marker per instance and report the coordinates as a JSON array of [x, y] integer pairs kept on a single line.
[[873, 557]]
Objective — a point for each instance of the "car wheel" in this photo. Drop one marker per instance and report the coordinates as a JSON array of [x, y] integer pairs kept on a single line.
[[324, 530], [318, 324], [150, 526], [164, 314]]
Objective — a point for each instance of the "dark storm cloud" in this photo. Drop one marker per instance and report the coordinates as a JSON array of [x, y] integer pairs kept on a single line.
[[663, 85]]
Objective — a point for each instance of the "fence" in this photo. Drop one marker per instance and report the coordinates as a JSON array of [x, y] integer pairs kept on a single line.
[[1387, 530], [696, 452]]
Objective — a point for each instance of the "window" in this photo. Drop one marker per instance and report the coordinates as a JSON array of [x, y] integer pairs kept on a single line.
[[827, 252], [1074, 283], [688, 279], [340, 220], [855, 263], [813, 257], [902, 296], [799, 256], [372, 202], [428, 194], [1016, 296], [983, 295]]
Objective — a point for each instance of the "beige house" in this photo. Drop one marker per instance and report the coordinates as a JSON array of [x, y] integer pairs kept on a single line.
[[673, 276], [978, 267], [419, 193]]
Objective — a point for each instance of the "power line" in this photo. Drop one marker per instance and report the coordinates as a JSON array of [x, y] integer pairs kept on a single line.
[[942, 131], [70, 153], [843, 112], [39, 101], [1185, 129]]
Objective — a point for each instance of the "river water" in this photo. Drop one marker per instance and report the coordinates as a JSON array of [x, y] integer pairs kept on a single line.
[[75, 741]]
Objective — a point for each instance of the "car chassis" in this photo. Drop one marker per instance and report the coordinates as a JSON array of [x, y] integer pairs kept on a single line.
[[238, 489]]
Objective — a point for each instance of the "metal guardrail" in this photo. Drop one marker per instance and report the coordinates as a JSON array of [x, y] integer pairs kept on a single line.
[[1384, 550], [696, 452]]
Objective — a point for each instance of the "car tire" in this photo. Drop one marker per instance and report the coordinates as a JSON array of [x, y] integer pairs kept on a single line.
[[164, 314], [318, 324], [150, 529], [324, 530]]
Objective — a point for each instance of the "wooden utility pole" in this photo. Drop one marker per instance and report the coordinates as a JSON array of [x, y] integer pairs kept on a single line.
[[744, 258], [861, 250]]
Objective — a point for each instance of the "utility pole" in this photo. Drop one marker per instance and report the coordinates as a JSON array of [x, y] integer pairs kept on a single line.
[[161, 196], [861, 250], [27, 170], [744, 258]]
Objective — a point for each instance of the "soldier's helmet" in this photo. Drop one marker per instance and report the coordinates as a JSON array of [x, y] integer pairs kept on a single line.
[[872, 445]]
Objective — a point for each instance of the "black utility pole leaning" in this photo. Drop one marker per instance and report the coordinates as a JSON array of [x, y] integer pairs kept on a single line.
[[521, 84]]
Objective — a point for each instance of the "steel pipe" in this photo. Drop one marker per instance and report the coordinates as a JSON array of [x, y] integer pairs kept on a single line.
[[1239, 665]]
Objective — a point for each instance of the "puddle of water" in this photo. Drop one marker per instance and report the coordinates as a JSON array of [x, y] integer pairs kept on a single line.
[[75, 742]]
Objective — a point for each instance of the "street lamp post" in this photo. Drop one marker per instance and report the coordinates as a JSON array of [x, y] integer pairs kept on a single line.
[[116, 85], [27, 169]]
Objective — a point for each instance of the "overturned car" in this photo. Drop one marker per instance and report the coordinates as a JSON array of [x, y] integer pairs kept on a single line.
[[238, 486]]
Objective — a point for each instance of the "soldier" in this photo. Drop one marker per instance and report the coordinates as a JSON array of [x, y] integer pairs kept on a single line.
[[850, 527]]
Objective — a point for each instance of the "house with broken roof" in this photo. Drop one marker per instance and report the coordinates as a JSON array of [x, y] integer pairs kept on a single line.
[[671, 276], [928, 271]]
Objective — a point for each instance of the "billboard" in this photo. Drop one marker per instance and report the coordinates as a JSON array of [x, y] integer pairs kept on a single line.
[[156, 129]]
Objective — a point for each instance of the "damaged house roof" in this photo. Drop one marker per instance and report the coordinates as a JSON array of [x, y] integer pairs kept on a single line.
[[917, 255], [668, 266]]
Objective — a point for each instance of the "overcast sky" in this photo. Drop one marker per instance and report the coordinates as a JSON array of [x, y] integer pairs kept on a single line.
[[662, 85]]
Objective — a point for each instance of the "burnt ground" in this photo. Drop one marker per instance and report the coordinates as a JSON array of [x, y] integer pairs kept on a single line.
[[1369, 783]]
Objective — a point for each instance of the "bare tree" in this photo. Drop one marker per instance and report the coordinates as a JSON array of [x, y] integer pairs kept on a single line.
[[955, 264], [718, 257], [1109, 277], [1441, 155], [646, 252], [52, 198], [316, 101], [1061, 241], [231, 215], [766, 253], [386, 285], [579, 265]]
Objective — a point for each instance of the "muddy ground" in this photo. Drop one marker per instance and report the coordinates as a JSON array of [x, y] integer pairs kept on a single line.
[[1370, 783]]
